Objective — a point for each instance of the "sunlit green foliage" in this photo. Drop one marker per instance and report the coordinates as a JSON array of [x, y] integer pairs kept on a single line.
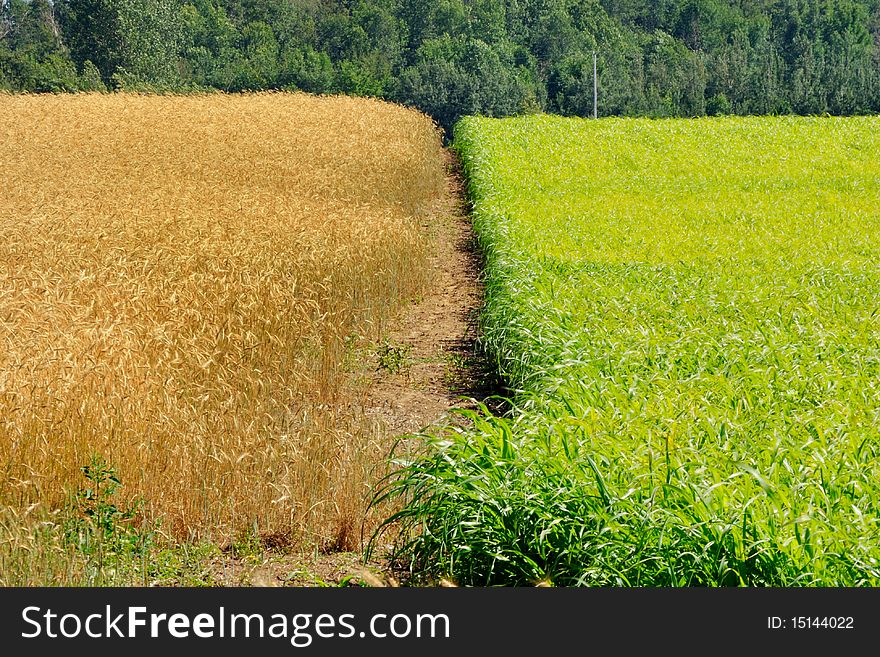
[[689, 313]]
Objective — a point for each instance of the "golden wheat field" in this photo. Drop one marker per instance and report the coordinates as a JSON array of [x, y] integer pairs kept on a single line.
[[178, 278]]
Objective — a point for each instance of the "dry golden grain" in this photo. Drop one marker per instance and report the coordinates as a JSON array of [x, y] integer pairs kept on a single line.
[[178, 277]]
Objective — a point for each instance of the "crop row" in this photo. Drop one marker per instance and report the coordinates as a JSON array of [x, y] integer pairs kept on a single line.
[[688, 315]]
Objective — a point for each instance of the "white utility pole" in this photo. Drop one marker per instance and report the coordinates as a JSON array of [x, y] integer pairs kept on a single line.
[[595, 89]]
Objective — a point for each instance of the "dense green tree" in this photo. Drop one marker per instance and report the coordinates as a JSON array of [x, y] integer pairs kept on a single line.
[[150, 37], [210, 45], [454, 77], [92, 32], [451, 57], [308, 70], [570, 86], [488, 19], [133, 43], [33, 56]]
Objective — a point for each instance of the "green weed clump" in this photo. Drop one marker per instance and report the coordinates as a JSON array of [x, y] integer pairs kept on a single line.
[[688, 313]]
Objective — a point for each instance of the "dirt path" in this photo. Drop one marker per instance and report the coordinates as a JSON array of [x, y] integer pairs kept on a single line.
[[429, 365], [436, 338]]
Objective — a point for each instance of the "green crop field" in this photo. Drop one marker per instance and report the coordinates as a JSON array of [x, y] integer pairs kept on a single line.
[[688, 313]]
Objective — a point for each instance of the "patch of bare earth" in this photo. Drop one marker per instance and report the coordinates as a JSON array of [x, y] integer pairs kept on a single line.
[[437, 336], [427, 364]]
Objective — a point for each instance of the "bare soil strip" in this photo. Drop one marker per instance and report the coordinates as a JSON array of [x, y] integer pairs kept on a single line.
[[437, 336], [431, 365]]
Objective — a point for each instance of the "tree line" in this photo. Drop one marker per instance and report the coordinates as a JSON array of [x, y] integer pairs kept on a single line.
[[455, 57]]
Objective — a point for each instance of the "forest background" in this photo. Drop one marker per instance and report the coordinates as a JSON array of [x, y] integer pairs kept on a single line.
[[451, 58]]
